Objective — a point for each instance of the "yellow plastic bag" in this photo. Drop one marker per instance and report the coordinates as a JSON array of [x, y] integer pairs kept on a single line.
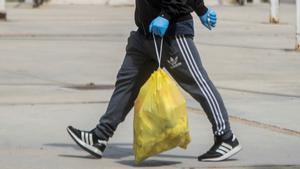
[[160, 117]]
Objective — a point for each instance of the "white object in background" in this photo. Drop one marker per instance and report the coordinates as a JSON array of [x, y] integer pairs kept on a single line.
[[256, 1], [131, 2], [79, 2], [120, 2], [298, 25], [2, 10], [29, 1], [214, 2], [274, 11], [242, 2]]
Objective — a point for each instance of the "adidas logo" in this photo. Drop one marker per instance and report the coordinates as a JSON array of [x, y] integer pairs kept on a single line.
[[174, 62]]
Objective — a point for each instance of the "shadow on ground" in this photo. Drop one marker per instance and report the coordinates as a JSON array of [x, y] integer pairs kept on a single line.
[[148, 163], [119, 151]]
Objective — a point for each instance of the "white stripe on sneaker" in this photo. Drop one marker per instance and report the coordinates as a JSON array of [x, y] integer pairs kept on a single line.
[[87, 138], [224, 149], [91, 139], [82, 136], [221, 152], [102, 142], [226, 145]]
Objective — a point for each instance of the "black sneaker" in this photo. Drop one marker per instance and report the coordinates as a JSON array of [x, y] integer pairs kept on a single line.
[[222, 149], [88, 141]]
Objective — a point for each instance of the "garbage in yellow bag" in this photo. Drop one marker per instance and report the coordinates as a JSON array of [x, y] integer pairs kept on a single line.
[[160, 116]]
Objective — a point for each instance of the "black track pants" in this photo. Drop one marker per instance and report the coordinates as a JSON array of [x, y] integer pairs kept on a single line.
[[181, 58]]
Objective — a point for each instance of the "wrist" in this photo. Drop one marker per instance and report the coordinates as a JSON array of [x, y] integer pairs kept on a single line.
[[202, 10]]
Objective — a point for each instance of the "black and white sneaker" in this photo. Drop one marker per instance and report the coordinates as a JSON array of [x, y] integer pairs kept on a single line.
[[88, 141], [222, 149]]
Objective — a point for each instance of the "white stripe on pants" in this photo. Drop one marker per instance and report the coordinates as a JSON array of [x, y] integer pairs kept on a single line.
[[202, 84]]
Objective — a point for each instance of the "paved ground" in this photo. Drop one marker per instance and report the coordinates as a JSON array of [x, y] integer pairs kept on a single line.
[[48, 55]]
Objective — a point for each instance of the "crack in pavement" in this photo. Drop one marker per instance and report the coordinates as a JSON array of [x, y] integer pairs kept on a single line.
[[95, 86], [62, 35], [258, 92], [53, 103]]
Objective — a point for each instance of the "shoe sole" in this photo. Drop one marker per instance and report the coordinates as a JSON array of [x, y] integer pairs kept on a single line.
[[90, 149], [225, 156]]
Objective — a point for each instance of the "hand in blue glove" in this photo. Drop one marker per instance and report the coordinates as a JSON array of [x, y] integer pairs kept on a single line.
[[209, 19], [159, 26]]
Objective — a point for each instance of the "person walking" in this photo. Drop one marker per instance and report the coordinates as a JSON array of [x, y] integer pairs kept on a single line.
[[172, 21]]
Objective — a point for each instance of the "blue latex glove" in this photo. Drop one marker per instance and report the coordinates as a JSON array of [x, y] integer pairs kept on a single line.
[[209, 19], [159, 26]]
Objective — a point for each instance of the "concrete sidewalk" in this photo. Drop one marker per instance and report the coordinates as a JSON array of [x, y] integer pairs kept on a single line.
[[58, 66]]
